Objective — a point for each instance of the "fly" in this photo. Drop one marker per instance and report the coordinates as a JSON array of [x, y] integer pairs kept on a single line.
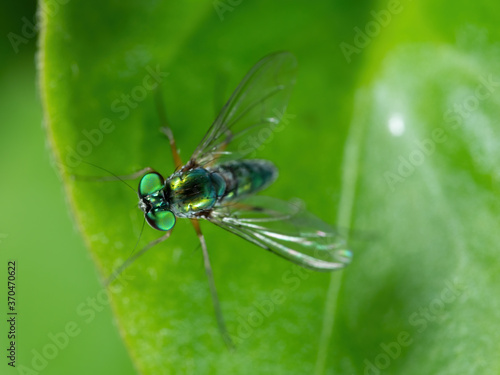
[[219, 184]]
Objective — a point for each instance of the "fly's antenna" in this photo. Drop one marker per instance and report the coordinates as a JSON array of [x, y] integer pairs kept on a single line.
[[132, 257], [103, 178]]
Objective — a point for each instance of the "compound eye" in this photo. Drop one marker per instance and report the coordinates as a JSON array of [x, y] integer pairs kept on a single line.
[[161, 219], [150, 183]]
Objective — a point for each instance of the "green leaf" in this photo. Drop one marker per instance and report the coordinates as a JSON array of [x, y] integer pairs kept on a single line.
[[377, 144]]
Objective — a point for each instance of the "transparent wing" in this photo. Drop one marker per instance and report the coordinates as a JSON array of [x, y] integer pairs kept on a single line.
[[253, 112], [286, 229]]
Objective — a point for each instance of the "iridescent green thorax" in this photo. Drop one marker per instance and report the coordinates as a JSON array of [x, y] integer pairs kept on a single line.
[[199, 190], [194, 191]]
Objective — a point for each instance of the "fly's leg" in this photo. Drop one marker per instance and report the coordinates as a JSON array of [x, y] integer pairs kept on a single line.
[[131, 259], [165, 129], [175, 153], [213, 290]]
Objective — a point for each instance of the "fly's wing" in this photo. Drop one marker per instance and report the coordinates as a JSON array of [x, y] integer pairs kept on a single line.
[[258, 103], [286, 229]]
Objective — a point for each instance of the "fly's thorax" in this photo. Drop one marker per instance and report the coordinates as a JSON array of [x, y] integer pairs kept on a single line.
[[194, 191]]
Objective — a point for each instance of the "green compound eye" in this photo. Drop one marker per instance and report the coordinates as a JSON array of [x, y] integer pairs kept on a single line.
[[150, 183], [161, 219]]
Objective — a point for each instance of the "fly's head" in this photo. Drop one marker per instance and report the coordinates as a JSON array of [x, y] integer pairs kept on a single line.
[[154, 201]]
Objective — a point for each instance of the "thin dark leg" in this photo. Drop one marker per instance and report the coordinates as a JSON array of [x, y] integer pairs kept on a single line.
[[213, 290], [165, 129], [133, 257]]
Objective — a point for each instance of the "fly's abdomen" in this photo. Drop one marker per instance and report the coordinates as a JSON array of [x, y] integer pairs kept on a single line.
[[245, 177]]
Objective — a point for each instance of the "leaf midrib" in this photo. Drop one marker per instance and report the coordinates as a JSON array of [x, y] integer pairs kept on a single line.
[[350, 173]]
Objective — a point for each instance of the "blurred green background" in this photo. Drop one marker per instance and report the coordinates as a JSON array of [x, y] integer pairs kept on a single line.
[[394, 134]]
